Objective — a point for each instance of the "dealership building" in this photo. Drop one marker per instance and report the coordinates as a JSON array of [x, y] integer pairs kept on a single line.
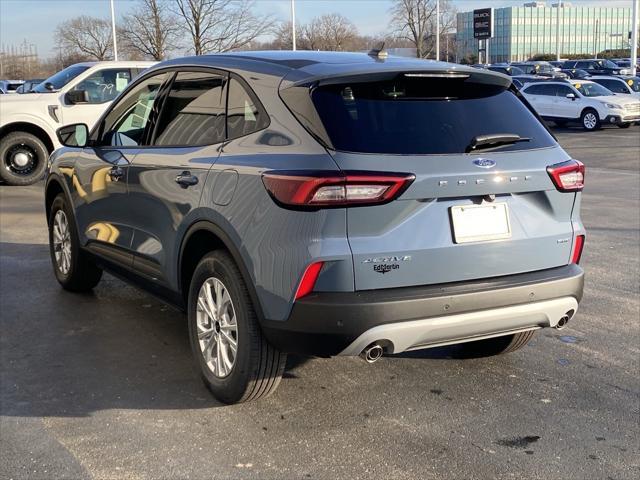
[[521, 32]]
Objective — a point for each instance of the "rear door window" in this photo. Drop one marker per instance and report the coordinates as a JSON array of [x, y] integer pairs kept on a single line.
[[194, 111], [414, 115]]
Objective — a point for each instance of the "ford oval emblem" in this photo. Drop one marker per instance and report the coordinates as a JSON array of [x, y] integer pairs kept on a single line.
[[484, 163]]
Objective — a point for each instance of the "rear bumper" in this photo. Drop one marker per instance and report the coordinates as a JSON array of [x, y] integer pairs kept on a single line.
[[327, 324]]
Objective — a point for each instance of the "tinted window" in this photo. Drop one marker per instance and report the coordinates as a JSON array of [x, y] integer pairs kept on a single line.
[[61, 78], [583, 65], [125, 124], [614, 85], [245, 114], [105, 85], [409, 115], [193, 113], [541, 89], [563, 90]]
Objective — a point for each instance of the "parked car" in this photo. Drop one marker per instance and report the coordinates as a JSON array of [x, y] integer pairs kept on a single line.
[[557, 65], [29, 85], [599, 66], [506, 69], [626, 85], [576, 73], [520, 80], [581, 101], [296, 202], [10, 86], [79, 93], [539, 68]]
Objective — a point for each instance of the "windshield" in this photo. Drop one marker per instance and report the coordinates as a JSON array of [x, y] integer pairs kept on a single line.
[[607, 64], [422, 116], [592, 90], [634, 83], [61, 78]]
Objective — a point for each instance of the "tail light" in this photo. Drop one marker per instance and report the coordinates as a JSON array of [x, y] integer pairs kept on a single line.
[[309, 279], [578, 245], [309, 190], [567, 176]]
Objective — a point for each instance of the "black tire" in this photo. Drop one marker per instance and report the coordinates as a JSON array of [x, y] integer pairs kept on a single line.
[[590, 120], [82, 274], [257, 367], [624, 125], [497, 345], [19, 147]]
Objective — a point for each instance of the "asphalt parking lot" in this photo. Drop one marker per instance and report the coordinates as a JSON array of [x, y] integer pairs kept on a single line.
[[103, 386]]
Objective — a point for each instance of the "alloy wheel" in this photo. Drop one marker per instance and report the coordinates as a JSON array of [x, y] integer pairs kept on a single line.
[[590, 121], [62, 242], [216, 327]]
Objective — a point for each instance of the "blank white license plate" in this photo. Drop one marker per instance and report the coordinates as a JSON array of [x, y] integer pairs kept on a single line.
[[480, 223]]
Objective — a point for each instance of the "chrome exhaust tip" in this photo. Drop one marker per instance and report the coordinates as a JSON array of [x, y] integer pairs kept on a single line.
[[372, 353], [564, 320]]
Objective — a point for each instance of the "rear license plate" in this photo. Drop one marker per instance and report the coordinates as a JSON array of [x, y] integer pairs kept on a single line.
[[480, 223]]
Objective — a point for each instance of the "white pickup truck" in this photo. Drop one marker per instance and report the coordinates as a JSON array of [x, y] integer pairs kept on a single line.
[[78, 94]]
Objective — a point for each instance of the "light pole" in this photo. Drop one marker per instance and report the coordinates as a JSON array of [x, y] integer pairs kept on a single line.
[[634, 38], [113, 32], [438, 30], [558, 7], [293, 24]]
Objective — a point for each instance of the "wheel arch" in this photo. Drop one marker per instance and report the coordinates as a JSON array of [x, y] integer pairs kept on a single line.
[[31, 128], [53, 187], [201, 238]]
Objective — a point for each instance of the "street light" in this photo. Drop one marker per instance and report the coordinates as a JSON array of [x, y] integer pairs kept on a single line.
[[113, 31], [293, 24], [634, 38], [558, 7], [438, 30]]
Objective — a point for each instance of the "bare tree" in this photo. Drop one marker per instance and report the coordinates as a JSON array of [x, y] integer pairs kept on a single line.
[[221, 25], [415, 20], [86, 35], [150, 30], [330, 32]]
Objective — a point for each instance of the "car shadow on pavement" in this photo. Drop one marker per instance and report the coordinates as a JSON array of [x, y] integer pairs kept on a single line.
[[67, 354]]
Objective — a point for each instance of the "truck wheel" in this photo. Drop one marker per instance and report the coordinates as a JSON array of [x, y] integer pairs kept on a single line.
[[236, 362], [590, 120], [74, 270], [497, 345], [24, 158]]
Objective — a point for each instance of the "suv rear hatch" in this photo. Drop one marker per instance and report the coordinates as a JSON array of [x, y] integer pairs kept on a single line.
[[482, 203]]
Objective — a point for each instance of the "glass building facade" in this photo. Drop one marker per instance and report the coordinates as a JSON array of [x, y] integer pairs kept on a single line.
[[522, 32]]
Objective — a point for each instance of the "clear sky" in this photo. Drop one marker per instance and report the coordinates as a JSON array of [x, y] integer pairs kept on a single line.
[[36, 20]]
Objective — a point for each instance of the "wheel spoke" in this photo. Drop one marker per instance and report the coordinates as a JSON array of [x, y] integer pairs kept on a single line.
[[210, 302], [231, 343], [219, 359], [204, 306]]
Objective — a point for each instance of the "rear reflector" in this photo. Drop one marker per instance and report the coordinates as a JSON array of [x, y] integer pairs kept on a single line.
[[578, 245], [567, 176], [309, 279], [334, 189]]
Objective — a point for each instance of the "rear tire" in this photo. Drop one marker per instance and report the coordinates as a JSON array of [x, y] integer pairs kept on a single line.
[[73, 268], [23, 158], [236, 362], [497, 345], [590, 120]]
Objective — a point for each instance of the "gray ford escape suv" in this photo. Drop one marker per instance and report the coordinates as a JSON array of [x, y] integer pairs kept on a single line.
[[323, 204]]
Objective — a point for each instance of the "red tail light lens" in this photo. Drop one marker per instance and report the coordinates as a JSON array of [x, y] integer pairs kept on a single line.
[[329, 189], [578, 245], [567, 176], [309, 279]]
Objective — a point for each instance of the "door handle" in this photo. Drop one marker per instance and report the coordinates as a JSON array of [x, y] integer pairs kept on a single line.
[[186, 180], [116, 173]]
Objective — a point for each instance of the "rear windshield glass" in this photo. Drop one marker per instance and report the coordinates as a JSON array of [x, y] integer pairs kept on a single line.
[[423, 116]]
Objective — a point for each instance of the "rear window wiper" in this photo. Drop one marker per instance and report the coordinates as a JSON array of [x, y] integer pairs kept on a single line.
[[493, 140]]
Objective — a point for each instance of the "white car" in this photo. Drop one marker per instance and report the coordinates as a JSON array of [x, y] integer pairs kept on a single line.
[[581, 101], [28, 123], [626, 85]]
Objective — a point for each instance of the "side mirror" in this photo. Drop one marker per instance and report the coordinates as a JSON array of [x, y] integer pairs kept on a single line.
[[74, 135], [572, 96], [49, 86], [77, 96]]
